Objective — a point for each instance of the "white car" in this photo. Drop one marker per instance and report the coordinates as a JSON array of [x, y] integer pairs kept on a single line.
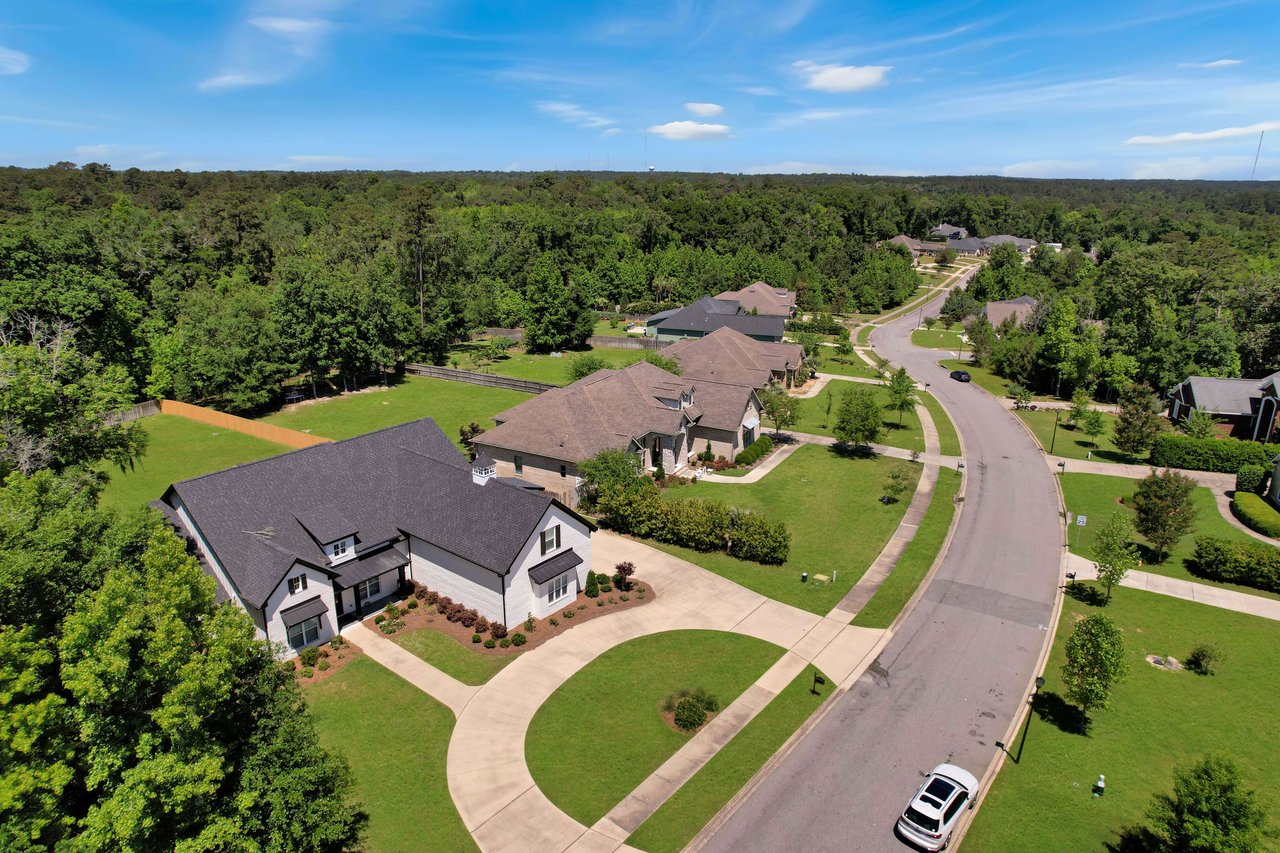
[[936, 807]]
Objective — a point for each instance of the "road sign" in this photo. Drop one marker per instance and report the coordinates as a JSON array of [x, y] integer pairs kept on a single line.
[[1081, 520]]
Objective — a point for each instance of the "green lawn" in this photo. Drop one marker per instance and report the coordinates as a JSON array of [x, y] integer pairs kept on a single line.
[[451, 657], [1071, 442], [1159, 720], [983, 376], [179, 449], [855, 366], [601, 733], [814, 419], [1094, 496], [864, 335], [680, 818], [916, 560], [452, 404], [938, 339], [829, 502], [395, 738], [947, 438], [603, 327], [546, 368]]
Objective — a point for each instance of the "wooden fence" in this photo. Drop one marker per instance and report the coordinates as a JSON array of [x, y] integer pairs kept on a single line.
[[493, 332], [617, 342], [268, 432], [142, 410], [492, 380]]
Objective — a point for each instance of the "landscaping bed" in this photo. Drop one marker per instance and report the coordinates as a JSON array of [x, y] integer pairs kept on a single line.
[[320, 663]]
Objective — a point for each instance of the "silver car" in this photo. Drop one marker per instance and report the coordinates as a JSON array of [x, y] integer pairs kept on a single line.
[[934, 811]]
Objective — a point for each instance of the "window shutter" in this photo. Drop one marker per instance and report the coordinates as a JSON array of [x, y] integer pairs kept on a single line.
[[557, 536], [542, 538]]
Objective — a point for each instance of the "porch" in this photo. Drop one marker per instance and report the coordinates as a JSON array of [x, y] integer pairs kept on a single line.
[[368, 584]]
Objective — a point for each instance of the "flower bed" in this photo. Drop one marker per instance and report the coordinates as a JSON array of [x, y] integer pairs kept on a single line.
[[331, 657]]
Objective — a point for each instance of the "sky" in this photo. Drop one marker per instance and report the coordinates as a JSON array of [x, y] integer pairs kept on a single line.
[[1078, 89]]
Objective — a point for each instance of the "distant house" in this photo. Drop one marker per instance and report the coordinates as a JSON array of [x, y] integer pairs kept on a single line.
[[658, 416], [1022, 244], [706, 315], [949, 232], [1020, 308], [731, 357], [917, 247], [760, 298], [1248, 406], [970, 246], [310, 540]]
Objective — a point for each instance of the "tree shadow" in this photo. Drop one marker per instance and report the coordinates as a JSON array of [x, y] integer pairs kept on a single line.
[[1135, 839], [853, 451], [1056, 711], [1087, 594]]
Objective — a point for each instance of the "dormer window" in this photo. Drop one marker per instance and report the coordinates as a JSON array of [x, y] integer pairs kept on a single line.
[[339, 549], [297, 584], [342, 550], [550, 539]]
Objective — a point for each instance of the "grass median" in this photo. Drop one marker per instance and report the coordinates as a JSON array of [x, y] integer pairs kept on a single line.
[[451, 657]]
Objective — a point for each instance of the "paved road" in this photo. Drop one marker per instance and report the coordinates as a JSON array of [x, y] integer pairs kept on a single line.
[[949, 683]]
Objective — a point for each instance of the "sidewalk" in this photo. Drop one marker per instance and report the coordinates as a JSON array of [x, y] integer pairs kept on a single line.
[[803, 438], [445, 689], [1201, 593]]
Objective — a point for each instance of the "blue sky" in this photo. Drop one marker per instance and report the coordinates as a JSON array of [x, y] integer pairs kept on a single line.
[[1089, 89]]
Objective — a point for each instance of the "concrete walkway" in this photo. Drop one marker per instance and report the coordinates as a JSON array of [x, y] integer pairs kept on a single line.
[[823, 378], [803, 438], [1201, 593], [444, 688]]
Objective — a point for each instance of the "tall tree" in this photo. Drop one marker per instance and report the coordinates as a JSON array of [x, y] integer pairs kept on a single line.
[[1139, 421], [1095, 662], [552, 319], [1164, 509], [1210, 809], [1114, 553], [982, 339], [1059, 340], [858, 420], [903, 396], [780, 408]]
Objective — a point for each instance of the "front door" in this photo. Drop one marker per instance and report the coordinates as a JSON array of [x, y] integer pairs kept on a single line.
[[655, 453]]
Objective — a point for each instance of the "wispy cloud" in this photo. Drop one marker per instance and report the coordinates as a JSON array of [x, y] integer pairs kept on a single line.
[[1217, 63], [796, 167], [1051, 169], [759, 91], [691, 130], [13, 61], [325, 160], [1203, 136], [705, 110], [1235, 166], [613, 131], [841, 78], [273, 46], [40, 122], [572, 113], [812, 115], [304, 36]]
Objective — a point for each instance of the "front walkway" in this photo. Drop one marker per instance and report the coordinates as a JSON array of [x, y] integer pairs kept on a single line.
[[1201, 593], [440, 686]]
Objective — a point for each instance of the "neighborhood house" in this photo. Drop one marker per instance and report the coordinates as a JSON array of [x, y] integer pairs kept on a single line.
[[760, 298], [731, 357], [311, 540], [1020, 309], [706, 315], [1248, 407]]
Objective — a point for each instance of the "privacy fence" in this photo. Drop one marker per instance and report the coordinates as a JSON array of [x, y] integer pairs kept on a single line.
[[491, 380]]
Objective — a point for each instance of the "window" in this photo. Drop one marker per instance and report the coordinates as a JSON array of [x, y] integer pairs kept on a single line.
[[368, 590], [297, 584], [563, 470], [550, 539], [558, 589], [305, 632], [519, 462], [338, 548]]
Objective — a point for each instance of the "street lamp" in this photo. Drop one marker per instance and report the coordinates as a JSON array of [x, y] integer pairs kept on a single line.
[[1026, 726], [1057, 413]]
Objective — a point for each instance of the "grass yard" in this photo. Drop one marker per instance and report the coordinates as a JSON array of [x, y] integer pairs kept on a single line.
[[1158, 720], [179, 449], [452, 404], [948, 441], [855, 366], [1094, 496], [603, 327], [1071, 442], [916, 560], [983, 376], [601, 733], [451, 657], [863, 337], [908, 435], [395, 738], [831, 505], [680, 818], [546, 368], [939, 339]]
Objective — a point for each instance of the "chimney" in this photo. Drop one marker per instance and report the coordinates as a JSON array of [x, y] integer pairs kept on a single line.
[[483, 469]]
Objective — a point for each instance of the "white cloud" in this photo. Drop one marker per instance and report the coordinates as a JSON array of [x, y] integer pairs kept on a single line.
[[222, 82], [119, 154], [841, 78], [1204, 136], [704, 110], [1051, 169], [760, 91], [572, 113], [806, 116], [613, 131], [13, 61], [1236, 167], [796, 167], [1217, 63], [281, 40], [305, 36], [324, 160], [691, 130]]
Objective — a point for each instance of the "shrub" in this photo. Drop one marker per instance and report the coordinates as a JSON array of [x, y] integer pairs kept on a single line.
[[391, 610], [391, 626], [482, 625], [475, 638], [1226, 455], [419, 591], [709, 703], [599, 602], [818, 324], [626, 597], [431, 597], [529, 624], [518, 639], [323, 665], [324, 653], [337, 642], [413, 604], [696, 523], [1254, 564], [505, 643], [722, 464], [497, 630], [469, 618], [707, 455], [490, 643], [1251, 478], [455, 611], [592, 588], [568, 614], [1202, 659], [1256, 513], [689, 714], [602, 580], [754, 451], [622, 575], [443, 603], [379, 619], [554, 622], [306, 672], [309, 656]]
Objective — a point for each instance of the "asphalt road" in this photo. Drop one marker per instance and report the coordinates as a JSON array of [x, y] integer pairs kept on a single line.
[[952, 678]]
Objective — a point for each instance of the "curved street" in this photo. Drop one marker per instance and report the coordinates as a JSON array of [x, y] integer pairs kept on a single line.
[[955, 674]]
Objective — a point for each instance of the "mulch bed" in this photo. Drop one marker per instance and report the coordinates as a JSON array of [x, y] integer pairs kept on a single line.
[[426, 616], [338, 658]]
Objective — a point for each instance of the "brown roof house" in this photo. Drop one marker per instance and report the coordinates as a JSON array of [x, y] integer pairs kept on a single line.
[[642, 409], [760, 298], [731, 357], [320, 537], [1019, 308], [1248, 406]]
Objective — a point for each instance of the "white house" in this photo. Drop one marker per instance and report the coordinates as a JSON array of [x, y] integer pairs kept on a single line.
[[311, 540]]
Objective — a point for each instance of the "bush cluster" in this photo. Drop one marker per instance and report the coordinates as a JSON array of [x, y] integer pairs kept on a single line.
[[818, 324], [752, 453], [1252, 478], [1256, 513], [309, 656], [1254, 564], [1226, 455], [497, 630], [689, 714]]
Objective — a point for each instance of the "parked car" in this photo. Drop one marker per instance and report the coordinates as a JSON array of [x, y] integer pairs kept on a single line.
[[960, 375], [935, 809]]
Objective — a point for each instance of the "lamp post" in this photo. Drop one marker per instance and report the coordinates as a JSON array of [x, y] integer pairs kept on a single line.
[[1027, 725], [1057, 413]]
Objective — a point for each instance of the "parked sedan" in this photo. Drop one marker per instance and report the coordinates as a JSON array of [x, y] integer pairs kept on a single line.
[[960, 375], [934, 811]]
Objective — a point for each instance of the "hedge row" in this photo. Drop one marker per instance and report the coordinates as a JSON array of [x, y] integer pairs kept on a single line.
[[1227, 455], [1256, 513], [753, 451], [695, 523], [819, 324], [1254, 564], [1252, 478]]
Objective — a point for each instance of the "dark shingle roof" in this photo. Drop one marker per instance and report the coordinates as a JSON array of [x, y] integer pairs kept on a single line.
[[406, 478], [555, 566], [707, 315], [304, 611]]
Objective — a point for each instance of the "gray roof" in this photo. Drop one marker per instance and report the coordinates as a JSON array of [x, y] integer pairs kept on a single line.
[[408, 478], [555, 566], [708, 314], [353, 572], [968, 244], [1221, 396], [302, 612], [1022, 243]]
